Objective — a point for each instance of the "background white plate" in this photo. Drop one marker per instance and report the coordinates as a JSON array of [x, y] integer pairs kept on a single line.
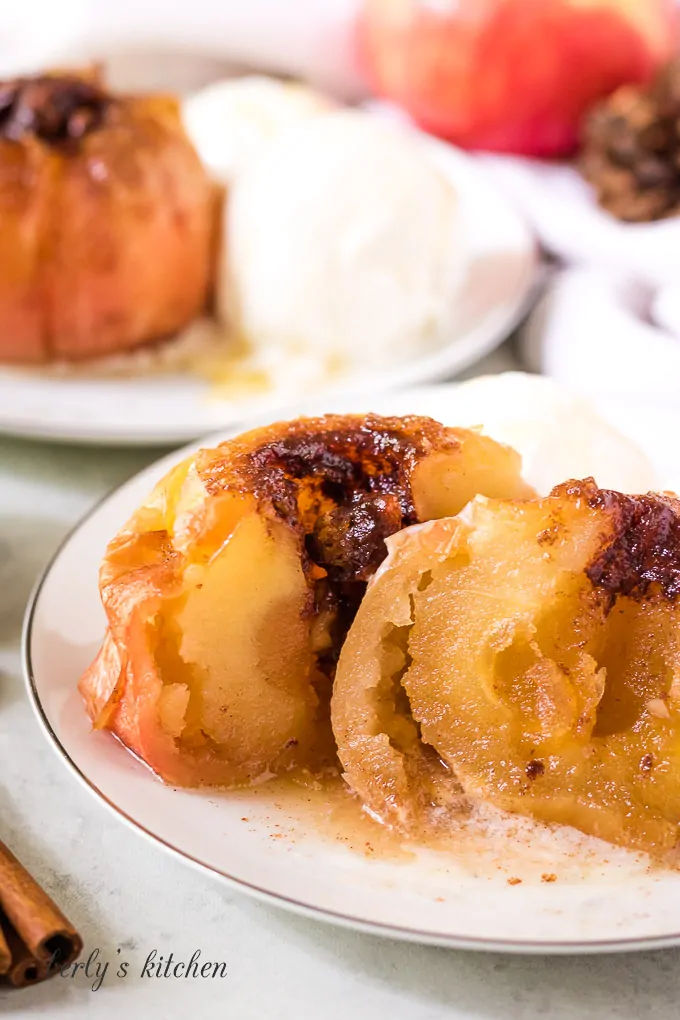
[[166, 409], [603, 899]]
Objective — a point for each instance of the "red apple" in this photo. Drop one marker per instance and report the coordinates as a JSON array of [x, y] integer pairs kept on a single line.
[[511, 75]]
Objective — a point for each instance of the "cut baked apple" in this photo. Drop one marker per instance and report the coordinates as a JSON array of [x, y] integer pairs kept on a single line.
[[229, 593], [532, 649]]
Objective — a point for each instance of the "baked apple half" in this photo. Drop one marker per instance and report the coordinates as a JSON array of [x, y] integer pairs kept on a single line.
[[107, 220], [526, 654], [229, 593]]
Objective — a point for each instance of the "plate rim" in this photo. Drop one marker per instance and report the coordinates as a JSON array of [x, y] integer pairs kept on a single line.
[[557, 947]]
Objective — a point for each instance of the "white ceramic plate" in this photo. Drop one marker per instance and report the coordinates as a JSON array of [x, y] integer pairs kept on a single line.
[[602, 899], [165, 409]]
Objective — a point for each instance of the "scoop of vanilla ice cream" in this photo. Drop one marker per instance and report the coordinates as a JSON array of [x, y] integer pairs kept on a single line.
[[343, 239], [229, 121], [558, 434]]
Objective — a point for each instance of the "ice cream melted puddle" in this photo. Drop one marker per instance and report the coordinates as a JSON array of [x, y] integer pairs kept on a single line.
[[207, 352], [486, 843]]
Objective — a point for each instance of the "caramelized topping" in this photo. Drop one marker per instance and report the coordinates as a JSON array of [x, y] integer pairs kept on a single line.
[[347, 489], [344, 483], [56, 109], [645, 550], [377, 456]]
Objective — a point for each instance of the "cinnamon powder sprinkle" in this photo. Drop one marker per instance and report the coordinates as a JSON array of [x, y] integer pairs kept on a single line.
[[643, 551], [535, 768]]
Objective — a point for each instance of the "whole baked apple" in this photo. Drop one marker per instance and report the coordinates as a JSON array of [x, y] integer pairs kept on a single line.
[[107, 220], [511, 75]]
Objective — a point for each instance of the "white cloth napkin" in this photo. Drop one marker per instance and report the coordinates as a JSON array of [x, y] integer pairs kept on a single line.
[[600, 332], [609, 323], [561, 208]]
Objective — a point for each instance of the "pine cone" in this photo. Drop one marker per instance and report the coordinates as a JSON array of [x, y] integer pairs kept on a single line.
[[631, 149]]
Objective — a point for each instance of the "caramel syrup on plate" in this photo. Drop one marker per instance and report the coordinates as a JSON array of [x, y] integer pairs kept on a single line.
[[486, 842]]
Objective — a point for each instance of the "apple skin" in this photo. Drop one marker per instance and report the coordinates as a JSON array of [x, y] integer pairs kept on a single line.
[[511, 75]]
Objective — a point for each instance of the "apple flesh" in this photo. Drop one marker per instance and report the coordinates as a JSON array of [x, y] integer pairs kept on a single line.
[[511, 75]]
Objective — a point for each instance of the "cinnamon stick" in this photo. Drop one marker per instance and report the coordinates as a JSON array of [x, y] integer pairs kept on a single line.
[[5, 954], [24, 969], [48, 936]]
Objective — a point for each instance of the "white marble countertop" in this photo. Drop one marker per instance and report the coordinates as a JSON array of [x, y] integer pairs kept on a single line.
[[126, 894]]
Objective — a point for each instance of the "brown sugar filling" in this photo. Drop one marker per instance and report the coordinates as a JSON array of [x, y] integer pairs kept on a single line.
[[345, 491], [646, 547]]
